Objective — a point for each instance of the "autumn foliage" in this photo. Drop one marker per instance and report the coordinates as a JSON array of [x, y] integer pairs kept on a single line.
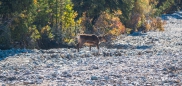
[[143, 18], [155, 24], [109, 24], [38, 23]]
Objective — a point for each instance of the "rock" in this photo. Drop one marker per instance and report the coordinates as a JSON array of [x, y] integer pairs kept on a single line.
[[89, 82], [148, 84], [28, 82], [39, 81], [11, 78], [93, 67], [94, 78], [172, 75], [106, 78], [3, 85], [55, 74], [55, 55], [66, 74]]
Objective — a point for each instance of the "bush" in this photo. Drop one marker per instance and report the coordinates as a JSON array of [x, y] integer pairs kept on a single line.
[[143, 19], [109, 24], [154, 24]]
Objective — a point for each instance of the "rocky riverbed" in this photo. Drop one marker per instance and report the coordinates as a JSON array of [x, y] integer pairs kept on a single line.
[[140, 59]]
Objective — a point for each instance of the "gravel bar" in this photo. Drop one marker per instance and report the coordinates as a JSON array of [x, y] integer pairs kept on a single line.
[[141, 59]]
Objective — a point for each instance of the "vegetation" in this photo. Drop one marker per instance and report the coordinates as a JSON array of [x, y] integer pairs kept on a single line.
[[54, 23]]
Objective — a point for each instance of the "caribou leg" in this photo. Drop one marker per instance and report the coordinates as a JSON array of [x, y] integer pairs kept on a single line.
[[90, 47], [98, 47], [77, 46]]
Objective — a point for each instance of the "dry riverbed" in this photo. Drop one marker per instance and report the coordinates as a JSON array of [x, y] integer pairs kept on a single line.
[[152, 58]]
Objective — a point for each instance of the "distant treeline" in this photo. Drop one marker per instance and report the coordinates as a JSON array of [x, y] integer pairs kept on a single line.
[[55, 23]]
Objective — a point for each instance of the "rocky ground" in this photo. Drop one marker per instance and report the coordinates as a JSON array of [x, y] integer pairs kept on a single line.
[[140, 59]]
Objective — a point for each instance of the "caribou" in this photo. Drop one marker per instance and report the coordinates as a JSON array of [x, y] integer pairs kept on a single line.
[[89, 40]]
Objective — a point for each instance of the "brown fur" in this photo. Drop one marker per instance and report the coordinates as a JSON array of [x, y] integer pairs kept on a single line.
[[89, 40]]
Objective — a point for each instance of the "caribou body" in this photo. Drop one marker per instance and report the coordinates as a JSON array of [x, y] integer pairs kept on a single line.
[[89, 40]]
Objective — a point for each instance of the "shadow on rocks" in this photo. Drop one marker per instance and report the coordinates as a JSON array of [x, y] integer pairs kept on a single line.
[[137, 34], [125, 46], [12, 52], [176, 15]]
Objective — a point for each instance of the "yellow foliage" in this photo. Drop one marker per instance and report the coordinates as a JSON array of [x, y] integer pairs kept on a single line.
[[46, 30], [111, 23], [113, 31], [22, 15], [147, 26], [78, 21], [118, 12], [128, 30], [155, 24], [72, 34], [34, 32], [160, 24], [35, 2], [142, 10], [66, 40], [68, 16], [142, 6]]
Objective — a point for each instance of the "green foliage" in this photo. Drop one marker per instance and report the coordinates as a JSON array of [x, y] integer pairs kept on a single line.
[[163, 6], [126, 8], [141, 10], [34, 33], [68, 15], [46, 32], [4, 38], [39, 22], [93, 8], [145, 11], [12, 6], [67, 21]]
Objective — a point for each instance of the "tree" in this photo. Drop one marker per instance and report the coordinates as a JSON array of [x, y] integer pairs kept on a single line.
[[43, 22], [164, 6], [92, 9], [9, 10]]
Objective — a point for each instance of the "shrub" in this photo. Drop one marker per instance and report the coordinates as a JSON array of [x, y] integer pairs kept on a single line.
[[128, 30], [109, 24], [154, 24]]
